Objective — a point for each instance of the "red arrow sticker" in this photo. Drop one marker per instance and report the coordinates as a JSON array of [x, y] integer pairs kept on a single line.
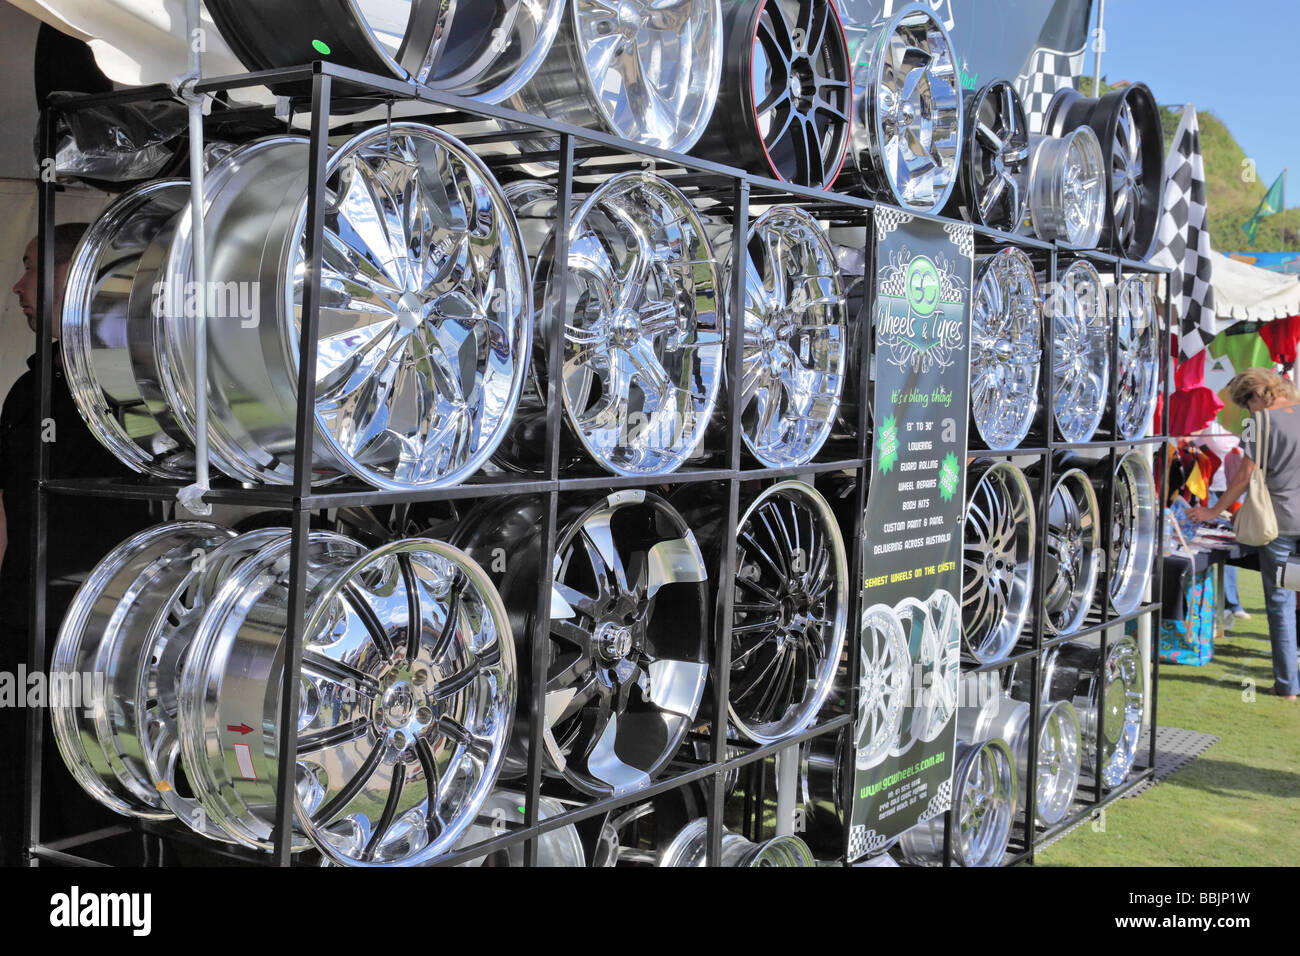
[[239, 728]]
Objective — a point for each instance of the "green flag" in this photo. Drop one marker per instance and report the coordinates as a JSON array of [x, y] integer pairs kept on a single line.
[[1274, 201]]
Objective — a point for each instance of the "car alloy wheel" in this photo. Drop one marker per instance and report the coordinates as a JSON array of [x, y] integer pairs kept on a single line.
[[886, 670], [1073, 560], [994, 184], [985, 806], [1138, 334], [998, 561], [1080, 352], [1006, 349], [1067, 189], [1133, 533]]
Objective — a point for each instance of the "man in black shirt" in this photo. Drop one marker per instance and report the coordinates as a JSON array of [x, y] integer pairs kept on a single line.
[[80, 532]]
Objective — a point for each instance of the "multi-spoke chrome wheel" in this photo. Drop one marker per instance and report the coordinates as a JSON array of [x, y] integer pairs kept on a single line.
[[628, 657], [882, 693], [995, 173], [907, 130], [691, 848], [504, 811], [933, 630], [492, 49], [793, 362], [644, 70], [102, 639], [1057, 757], [1127, 124], [1114, 689], [985, 806], [786, 93], [998, 562], [1080, 352], [1006, 349], [1132, 534], [1067, 189], [404, 39], [790, 612], [642, 337], [109, 295], [407, 693], [425, 319], [1073, 559], [1138, 367]]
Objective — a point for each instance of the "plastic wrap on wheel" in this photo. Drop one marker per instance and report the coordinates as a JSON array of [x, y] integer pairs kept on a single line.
[[117, 143]]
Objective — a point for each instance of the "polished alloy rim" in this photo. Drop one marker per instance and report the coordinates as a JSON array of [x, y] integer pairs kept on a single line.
[[690, 847], [1073, 560], [503, 811], [1133, 533], [984, 809], [996, 170], [407, 694], [790, 612], [882, 694], [425, 322], [907, 134], [642, 336], [849, 244], [793, 361], [100, 639], [401, 37], [933, 631], [165, 645], [1123, 691], [646, 71], [104, 304], [1080, 353], [1006, 343], [1138, 364], [801, 88], [1067, 189], [492, 49], [1059, 762], [998, 562]]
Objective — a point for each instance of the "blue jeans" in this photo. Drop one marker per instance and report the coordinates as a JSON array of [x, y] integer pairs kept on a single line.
[[1281, 606], [1230, 600]]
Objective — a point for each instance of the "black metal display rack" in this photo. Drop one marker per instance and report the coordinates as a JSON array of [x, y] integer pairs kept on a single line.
[[585, 156]]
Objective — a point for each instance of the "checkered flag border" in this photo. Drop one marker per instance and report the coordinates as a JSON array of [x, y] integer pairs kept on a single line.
[[863, 841], [1049, 71], [939, 803]]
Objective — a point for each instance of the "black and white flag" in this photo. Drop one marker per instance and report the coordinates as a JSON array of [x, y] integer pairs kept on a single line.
[[1183, 243]]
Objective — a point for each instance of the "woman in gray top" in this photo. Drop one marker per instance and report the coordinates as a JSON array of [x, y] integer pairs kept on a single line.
[[1256, 390]]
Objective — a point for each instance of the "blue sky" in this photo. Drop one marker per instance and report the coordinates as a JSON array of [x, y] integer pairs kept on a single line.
[[1239, 58]]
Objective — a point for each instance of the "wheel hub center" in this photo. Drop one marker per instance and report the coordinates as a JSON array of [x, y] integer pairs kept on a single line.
[[1004, 350], [398, 704], [626, 329], [410, 311], [613, 641]]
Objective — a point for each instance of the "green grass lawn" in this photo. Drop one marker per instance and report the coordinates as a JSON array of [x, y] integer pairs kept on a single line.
[[1236, 805]]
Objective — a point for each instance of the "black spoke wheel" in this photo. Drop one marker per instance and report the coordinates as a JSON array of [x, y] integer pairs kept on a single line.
[[994, 183]]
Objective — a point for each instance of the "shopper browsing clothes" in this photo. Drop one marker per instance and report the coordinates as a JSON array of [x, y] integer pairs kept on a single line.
[[1255, 390], [80, 533]]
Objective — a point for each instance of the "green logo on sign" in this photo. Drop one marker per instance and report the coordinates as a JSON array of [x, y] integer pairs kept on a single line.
[[922, 286], [949, 472], [888, 443]]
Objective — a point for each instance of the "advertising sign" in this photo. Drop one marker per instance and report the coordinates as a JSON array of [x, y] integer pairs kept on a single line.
[[912, 544]]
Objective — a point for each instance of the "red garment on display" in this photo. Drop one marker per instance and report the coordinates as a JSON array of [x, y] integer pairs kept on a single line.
[[1281, 336], [1194, 404]]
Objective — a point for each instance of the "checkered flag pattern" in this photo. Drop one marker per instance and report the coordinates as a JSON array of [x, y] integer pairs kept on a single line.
[[863, 841], [1183, 242], [1049, 71], [939, 803]]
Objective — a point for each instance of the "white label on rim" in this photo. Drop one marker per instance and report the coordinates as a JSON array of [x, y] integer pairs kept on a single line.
[[244, 757]]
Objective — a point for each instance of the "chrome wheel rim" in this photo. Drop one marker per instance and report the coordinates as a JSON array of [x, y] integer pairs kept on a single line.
[[996, 170], [402, 725], [1006, 344], [505, 810], [1067, 188], [1080, 353], [882, 693], [492, 49], [108, 298], [1138, 334], [425, 323], [100, 635], [690, 847], [908, 111], [1059, 763], [1133, 533], [793, 359], [1123, 691], [983, 811], [1072, 556], [801, 88], [998, 562], [933, 631], [643, 340], [790, 612]]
